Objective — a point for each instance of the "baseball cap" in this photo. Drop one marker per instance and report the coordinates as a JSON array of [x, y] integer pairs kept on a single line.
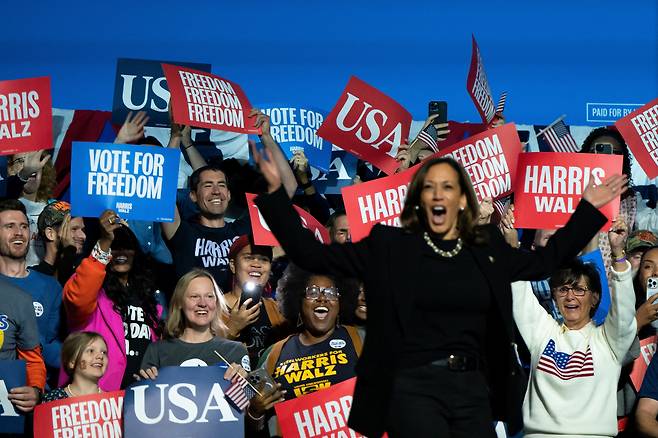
[[53, 214], [245, 240], [641, 239]]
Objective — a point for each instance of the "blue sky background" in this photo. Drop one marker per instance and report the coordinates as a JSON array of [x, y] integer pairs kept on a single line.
[[552, 57]]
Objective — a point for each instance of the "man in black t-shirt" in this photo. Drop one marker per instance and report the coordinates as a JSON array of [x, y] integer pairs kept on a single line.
[[205, 242]]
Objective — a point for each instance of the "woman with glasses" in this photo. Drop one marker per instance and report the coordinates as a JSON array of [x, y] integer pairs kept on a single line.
[[575, 366], [323, 351]]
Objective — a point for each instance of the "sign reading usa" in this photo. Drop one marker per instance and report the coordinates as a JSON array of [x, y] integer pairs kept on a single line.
[[12, 375], [205, 100], [96, 415], [26, 115], [138, 182], [341, 173], [369, 124], [140, 85], [182, 402]]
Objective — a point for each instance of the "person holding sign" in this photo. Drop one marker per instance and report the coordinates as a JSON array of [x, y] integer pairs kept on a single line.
[[84, 359], [575, 365], [439, 358], [113, 293]]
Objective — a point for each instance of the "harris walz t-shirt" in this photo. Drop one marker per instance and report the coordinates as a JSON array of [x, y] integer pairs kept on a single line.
[[302, 369], [197, 246]]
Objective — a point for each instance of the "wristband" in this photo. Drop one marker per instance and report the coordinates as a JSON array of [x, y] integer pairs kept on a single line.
[[187, 147], [100, 255], [620, 260], [622, 257]]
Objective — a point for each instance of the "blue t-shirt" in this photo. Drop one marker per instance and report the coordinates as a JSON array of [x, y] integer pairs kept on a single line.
[[649, 387], [46, 295]]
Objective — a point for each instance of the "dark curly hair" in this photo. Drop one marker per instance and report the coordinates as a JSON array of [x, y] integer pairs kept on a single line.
[[141, 285], [292, 288], [611, 132]]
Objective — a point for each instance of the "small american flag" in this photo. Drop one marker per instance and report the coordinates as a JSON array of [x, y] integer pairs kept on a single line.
[[426, 138], [501, 103], [559, 138], [240, 392], [501, 205], [566, 366]]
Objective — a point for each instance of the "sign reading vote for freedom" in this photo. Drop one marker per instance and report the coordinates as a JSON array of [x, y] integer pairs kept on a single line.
[[295, 129], [489, 158], [204, 100], [138, 182], [640, 130], [96, 415], [182, 402], [262, 233], [140, 85], [319, 414], [478, 86], [549, 185], [26, 115], [12, 375], [369, 124], [377, 201]]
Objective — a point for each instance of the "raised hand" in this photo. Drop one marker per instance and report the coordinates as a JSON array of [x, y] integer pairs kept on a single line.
[[617, 236], [403, 157], [299, 162], [267, 167], [32, 163], [109, 222], [133, 128], [486, 210], [65, 234], [262, 120], [242, 317], [600, 194]]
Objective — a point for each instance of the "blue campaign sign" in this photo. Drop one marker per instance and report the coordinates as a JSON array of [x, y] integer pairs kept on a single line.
[[182, 402], [341, 173], [12, 375], [294, 128], [138, 182], [140, 85], [609, 112]]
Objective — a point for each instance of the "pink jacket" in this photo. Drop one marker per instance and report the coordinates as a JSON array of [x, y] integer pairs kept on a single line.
[[89, 309]]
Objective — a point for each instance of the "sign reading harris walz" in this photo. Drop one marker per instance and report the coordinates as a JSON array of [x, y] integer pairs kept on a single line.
[[140, 85]]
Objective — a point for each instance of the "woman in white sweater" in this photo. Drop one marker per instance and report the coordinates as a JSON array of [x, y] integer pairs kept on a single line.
[[575, 366]]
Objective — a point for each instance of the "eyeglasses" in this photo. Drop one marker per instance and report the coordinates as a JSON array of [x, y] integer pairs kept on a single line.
[[330, 293], [578, 291]]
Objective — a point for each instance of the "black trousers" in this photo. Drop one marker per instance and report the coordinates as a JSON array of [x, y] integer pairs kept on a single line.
[[431, 401]]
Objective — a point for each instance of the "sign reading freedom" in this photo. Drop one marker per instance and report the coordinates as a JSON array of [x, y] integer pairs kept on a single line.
[[26, 115], [205, 100], [549, 186], [96, 415], [138, 182], [640, 130], [478, 86]]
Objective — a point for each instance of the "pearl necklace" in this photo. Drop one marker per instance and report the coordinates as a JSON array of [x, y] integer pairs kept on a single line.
[[448, 254], [68, 388]]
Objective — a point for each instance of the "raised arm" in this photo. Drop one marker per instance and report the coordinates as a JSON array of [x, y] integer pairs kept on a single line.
[[568, 241], [620, 326], [530, 317], [348, 259], [287, 177]]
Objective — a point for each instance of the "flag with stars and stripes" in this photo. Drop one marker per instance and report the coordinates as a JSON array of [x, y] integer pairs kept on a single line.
[[559, 138], [566, 366], [428, 140], [501, 103], [240, 392]]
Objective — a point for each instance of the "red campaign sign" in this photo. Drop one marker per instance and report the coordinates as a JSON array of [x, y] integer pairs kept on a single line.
[[377, 201], [477, 86], [262, 233], [26, 115], [319, 414], [549, 185], [369, 124], [640, 365], [640, 130], [205, 100], [490, 159], [87, 415]]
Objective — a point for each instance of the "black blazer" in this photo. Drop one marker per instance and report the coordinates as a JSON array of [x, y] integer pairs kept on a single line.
[[388, 262]]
